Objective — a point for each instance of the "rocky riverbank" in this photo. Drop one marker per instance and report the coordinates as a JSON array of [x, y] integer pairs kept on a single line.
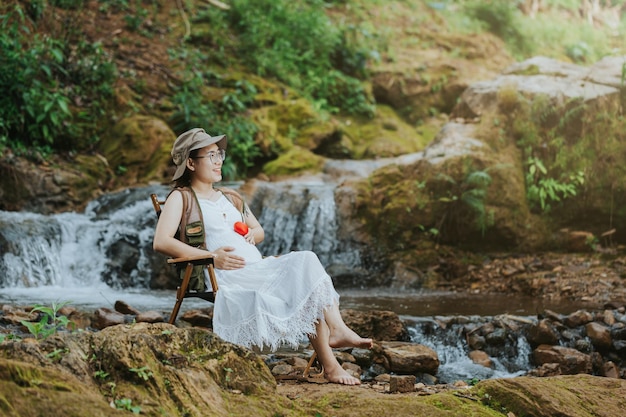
[[160, 369], [124, 358], [591, 342]]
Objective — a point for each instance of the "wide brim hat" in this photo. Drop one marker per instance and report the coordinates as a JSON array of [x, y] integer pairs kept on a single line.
[[190, 140]]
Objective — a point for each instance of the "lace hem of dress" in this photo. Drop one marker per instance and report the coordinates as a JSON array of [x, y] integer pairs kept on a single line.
[[263, 330]]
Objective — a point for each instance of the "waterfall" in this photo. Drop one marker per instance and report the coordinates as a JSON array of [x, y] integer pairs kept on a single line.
[[89, 258], [110, 243], [302, 216], [71, 249]]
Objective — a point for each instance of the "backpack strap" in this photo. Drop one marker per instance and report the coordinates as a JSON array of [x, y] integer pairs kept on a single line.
[[236, 200]]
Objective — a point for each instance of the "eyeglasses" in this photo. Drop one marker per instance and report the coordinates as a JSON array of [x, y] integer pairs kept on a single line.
[[214, 156]]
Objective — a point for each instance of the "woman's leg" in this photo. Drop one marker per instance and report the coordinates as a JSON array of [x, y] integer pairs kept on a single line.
[[332, 369], [340, 334]]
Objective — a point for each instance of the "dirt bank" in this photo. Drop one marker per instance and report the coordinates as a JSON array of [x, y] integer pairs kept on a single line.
[[596, 279]]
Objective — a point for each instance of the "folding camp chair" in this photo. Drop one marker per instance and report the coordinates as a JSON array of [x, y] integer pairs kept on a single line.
[[188, 262]]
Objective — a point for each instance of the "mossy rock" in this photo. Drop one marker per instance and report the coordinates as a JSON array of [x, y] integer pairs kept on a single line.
[[268, 138], [31, 390], [385, 135], [461, 192], [567, 395], [138, 150], [52, 186], [295, 161]]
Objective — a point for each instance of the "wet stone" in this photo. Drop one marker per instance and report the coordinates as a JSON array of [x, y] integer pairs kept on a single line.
[[543, 333], [599, 334], [125, 308], [150, 317], [496, 338], [578, 318], [105, 317], [619, 334], [402, 383], [476, 341]]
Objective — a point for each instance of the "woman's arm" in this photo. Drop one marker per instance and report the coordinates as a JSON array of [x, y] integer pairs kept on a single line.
[[167, 226], [255, 234], [165, 242]]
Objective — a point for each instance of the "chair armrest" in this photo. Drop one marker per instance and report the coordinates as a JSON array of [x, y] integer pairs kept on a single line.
[[196, 259]]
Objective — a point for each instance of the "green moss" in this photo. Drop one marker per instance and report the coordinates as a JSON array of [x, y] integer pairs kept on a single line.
[[21, 375], [295, 161], [293, 114], [529, 70], [385, 135]]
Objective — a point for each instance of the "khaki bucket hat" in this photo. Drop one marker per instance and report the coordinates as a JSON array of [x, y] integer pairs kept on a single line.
[[192, 139]]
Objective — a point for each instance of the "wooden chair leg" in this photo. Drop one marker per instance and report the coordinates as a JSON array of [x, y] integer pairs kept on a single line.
[[180, 292], [308, 365], [212, 278]]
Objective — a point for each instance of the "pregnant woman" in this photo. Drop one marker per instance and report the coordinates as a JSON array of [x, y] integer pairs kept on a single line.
[[262, 301]]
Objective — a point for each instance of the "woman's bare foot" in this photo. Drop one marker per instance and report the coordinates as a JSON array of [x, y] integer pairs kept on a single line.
[[341, 376], [341, 338]]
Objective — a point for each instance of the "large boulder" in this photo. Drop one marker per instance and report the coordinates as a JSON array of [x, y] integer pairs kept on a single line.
[[566, 120], [428, 80], [557, 396], [59, 184], [138, 150]]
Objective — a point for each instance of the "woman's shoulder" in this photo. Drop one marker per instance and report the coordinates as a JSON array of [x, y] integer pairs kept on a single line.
[[233, 196], [177, 192]]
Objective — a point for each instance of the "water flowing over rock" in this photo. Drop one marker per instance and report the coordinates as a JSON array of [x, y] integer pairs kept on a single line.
[[110, 243]]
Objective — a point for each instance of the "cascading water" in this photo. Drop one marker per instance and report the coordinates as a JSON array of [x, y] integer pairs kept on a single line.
[[68, 256], [108, 248], [303, 216], [509, 360]]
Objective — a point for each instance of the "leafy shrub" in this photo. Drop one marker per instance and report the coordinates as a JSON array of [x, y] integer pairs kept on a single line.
[[462, 203], [283, 38], [339, 91], [355, 50], [42, 78], [298, 44], [542, 190]]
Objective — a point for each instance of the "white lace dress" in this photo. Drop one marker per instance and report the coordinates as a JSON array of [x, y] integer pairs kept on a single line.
[[273, 300]]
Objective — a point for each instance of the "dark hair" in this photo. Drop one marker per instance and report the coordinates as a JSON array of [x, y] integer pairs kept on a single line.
[[185, 179]]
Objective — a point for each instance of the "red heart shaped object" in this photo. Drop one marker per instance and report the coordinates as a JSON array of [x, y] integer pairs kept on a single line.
[[241, 228]]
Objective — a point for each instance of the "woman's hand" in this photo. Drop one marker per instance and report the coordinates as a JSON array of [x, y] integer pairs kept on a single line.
[[223, 259], [250, 237]]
